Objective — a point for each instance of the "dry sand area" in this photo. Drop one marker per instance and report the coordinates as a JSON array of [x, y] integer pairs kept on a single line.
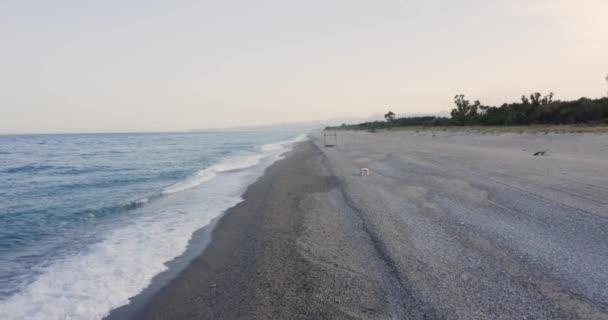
[[449, 225], [477, 227]]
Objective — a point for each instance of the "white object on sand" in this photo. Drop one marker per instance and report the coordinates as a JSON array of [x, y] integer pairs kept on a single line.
[[365, 172]]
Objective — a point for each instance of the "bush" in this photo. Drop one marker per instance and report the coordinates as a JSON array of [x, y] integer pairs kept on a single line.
[[533, 109]]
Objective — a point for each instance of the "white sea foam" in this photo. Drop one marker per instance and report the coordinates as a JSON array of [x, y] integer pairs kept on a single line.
[[142, 201], [90, 285], [231, 164]]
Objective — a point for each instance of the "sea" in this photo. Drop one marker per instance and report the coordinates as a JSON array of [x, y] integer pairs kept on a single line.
[[88, 220]]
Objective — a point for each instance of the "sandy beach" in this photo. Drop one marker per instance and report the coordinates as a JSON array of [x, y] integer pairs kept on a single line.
[[449, 225]]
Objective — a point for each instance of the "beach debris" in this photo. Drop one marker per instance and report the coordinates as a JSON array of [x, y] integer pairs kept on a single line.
[[539, 153], [330, 139], [213, 285], [365, 172]]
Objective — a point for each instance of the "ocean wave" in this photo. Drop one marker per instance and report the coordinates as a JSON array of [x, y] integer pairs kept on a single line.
[[58, 170], [88, 285], [28, 168], [232, 164]]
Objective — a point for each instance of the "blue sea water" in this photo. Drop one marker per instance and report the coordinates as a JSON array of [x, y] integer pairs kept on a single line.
[[87, 220]]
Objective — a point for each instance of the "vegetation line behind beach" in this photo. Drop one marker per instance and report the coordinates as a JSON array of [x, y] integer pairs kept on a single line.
[[534, 109]]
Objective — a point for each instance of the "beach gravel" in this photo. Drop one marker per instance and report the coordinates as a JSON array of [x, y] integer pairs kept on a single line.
[[448, 226]]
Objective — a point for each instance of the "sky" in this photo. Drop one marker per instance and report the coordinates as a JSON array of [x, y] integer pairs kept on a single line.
[[149, 65]]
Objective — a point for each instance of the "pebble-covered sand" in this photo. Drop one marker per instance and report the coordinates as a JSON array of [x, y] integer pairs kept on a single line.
[[449, 225]]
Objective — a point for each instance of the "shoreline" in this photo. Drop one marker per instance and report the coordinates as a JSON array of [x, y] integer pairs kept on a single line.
[[200, 238], [447, 226], [196, 246], [112, 230], [209, 269], [277, 255]]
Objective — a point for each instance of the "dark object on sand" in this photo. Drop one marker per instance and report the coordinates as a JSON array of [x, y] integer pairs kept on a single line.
[[539, 153], [330, 139]]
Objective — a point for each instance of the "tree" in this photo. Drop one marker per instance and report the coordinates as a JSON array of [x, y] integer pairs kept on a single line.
[[390, 117], [535, 98], [548, 99], [464, 111]]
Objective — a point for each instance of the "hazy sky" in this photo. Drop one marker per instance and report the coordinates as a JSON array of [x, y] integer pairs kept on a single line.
[[83, 65]]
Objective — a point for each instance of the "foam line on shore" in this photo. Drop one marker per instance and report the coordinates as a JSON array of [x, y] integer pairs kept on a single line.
[[120, 266]]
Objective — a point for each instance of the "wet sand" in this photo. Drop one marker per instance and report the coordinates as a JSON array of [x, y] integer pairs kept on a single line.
[[263, 261], [448, 226]]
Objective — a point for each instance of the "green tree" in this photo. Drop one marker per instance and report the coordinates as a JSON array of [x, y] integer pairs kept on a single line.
[[464, 112], [535, 98], [548, 99], [390, 117]]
